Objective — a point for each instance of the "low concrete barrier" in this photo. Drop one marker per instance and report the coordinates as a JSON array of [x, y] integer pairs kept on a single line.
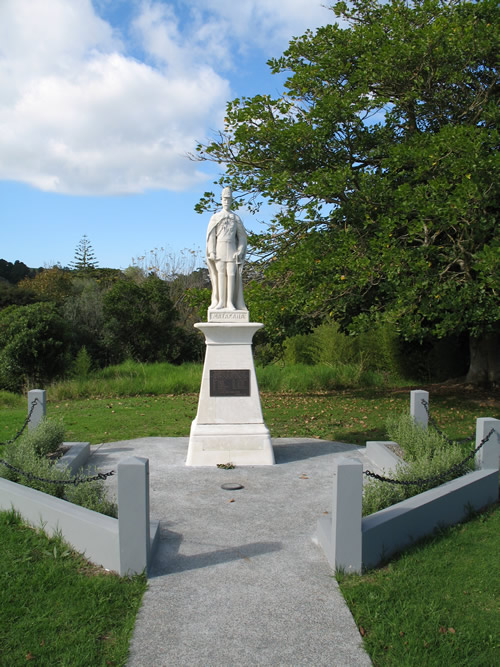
[[353, 543], [125, 545]]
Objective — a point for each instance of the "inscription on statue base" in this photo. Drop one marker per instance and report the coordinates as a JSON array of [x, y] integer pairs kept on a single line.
[[228, 315], [230, 383]]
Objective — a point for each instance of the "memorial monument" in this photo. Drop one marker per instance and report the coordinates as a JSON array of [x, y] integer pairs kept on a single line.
[[229, 427]]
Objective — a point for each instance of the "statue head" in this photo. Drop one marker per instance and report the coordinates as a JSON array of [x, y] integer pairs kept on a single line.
[[227, 198]]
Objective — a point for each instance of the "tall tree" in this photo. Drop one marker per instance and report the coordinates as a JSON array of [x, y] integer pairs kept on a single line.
[[140, 321], [34, 345], [84, 256], [381, 158]]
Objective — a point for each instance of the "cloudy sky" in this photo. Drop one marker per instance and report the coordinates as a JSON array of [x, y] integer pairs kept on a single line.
[[101, 100]]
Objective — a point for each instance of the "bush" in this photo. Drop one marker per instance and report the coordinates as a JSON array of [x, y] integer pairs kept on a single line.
[[82, 365], [28, 454], [300, 349], [45, 438], [22, 455], [377, 349], [415, 441], [92, 495], [426, 454]]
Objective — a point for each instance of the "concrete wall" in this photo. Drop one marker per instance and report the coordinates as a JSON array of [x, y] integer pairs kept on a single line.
[[353, 543], [124, 545], [394, 528]]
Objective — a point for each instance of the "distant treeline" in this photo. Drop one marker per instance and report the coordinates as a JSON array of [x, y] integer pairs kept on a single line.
[[13, 273]]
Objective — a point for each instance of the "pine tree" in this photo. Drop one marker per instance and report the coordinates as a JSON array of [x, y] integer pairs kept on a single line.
[[84, 256]]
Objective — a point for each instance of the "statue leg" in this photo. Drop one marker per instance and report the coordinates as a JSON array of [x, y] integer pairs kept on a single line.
[[212, 271], [221, 282], [231, 286]]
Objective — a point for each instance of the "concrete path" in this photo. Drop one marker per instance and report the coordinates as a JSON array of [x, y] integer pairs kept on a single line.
[[237, 579]]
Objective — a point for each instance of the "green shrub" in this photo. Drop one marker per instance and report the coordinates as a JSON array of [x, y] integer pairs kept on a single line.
[[331, 346], [92, 495], [299, 349], [45, 438], [28, 454], [426, 455], [415, 441], [22, 455], [376, 349], [82, 365]]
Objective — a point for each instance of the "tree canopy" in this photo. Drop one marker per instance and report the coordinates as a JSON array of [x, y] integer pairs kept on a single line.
[[381, 158]]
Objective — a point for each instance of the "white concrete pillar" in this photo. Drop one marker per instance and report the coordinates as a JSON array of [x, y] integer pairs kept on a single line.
[[489, 454], [417, 410], [133, 514], [40, 408], [340, 536]]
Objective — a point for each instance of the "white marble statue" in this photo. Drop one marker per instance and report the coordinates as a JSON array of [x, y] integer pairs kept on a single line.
[[226, 249]]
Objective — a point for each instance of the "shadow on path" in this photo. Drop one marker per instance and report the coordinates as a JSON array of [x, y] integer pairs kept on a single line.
[[168, 560], [288, 452]]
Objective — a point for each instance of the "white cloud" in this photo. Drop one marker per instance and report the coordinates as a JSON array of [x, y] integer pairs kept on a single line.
[[268, 24], [80, 115]]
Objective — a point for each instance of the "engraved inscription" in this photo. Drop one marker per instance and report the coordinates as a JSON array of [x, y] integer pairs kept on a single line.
[[230, 383], [228, 316]]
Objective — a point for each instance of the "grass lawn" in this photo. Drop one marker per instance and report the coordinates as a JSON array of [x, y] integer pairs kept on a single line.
[[435, 605], [351, 415], [438, 604], [56, 608]]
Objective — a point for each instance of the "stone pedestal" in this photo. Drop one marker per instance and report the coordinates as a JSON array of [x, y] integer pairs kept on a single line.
[[229, 427]]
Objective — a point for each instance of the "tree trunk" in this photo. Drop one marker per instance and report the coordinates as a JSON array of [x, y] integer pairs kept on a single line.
[[484, 359]]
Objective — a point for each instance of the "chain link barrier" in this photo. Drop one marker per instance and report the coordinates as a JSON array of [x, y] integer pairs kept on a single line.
[[456, 468], [75, 481], [29, 475], [21, 431], [434, 425]]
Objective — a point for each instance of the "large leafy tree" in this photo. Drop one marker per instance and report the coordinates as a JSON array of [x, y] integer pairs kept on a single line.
[[140, 323], [34, 345], [381, 160]]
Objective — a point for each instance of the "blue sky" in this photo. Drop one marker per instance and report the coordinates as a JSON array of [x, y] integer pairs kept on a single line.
[[100, 101]]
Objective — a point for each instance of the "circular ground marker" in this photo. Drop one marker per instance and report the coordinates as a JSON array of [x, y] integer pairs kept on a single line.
[[232, 487]]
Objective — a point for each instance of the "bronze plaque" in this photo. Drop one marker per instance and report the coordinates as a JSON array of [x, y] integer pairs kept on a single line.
[[230, 383]]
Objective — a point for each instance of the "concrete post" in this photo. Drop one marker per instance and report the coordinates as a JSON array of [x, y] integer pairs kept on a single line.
[[417, 410], [340, 536], [133, 515], [39, 410], [489, 454]]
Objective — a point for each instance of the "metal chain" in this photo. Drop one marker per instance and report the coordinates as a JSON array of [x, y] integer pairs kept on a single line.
[[457, 467], [75, 481], [435, 426], [21, 431]]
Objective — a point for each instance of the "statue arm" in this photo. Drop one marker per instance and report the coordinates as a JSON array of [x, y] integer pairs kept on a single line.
[[242, 239], [211, 237]]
